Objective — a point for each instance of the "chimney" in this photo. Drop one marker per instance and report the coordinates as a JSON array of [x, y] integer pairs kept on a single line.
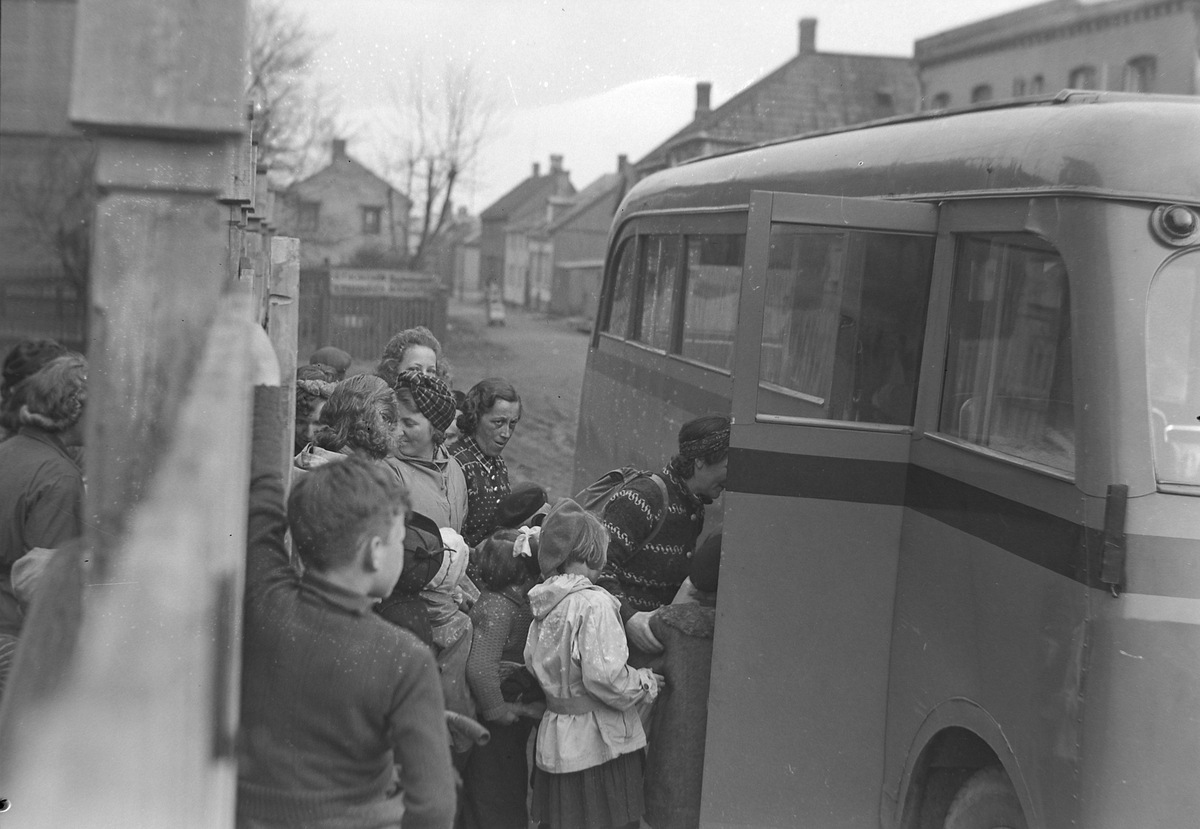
[[808, 35], [537, 169], [703, 92], [622, 163], [556, 164], [339, 149]]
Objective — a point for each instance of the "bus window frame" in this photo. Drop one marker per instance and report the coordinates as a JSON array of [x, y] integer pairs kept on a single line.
[[768, 208], [731, 220], [959, 218]]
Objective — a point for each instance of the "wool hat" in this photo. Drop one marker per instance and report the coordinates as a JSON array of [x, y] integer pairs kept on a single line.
[[519, 505], [433, 398], [565, 530], [335, 358], [423, 553]]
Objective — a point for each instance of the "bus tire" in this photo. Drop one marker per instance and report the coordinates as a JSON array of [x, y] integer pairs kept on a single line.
[[986, 801]]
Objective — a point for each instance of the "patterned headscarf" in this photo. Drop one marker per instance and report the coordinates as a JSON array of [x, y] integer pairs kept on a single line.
[[433, 398], [710, 444]]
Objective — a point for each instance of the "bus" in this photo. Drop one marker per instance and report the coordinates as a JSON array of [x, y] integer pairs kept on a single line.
[[960, 582]]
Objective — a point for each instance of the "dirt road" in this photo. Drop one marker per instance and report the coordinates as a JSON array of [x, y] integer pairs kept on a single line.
[[544, 358]]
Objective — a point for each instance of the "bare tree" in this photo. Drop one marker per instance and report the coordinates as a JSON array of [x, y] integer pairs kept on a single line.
[[435, 132], [55, 199], [294, 115]]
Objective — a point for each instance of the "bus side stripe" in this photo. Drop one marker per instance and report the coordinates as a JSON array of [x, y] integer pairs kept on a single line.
[[659, 384]]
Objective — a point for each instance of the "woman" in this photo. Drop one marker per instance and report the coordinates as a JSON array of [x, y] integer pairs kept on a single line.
[[490, 414], [413, 348], [314, 384], [435, 481], [359, 419]]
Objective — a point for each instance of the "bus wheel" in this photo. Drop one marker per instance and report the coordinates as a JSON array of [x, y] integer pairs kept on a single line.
[[986, 801]]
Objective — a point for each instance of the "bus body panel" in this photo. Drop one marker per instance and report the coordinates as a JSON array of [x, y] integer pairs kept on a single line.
[[987, 612], [796, 631]]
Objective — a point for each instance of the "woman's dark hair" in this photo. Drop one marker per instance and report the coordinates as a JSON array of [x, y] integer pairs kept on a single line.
[[696, 430], [334, 509], [400, 343], [480, 399], [498, 567], [54, 397], [24, 360], [361, 415], [404, 396]]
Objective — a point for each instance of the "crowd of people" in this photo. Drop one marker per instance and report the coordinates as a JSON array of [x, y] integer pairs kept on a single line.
[[405, 588]]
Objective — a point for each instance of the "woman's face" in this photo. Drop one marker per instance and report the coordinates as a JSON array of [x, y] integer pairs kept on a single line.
[[414, 433], [421, 358], [496, 427]]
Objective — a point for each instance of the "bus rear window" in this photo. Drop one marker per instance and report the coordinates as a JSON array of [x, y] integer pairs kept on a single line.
[[623, 289], [1173, 370], [844, 324], [1008, 366], [660, 273]]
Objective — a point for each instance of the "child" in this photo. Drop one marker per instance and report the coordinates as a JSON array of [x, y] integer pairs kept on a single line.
[[342, 717], [495, 782], [589, 746]]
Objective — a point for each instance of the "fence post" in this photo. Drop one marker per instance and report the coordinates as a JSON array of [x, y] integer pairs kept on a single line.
[[283, 326], [123, 697]]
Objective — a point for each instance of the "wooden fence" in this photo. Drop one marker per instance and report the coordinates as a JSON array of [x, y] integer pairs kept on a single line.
[[358, 309], [122, 706]]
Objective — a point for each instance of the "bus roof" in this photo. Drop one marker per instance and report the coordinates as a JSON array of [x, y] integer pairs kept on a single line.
[[1141, 147]]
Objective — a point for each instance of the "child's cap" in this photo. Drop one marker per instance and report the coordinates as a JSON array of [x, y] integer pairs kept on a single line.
[[518, 506], [564, 530], [423, 553]]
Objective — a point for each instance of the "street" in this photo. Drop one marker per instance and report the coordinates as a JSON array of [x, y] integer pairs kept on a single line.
[[543, 357]]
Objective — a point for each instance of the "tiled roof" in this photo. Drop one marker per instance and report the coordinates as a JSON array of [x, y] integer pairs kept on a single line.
[[816, 90], [532, 188], [347, 164], [587, 197]]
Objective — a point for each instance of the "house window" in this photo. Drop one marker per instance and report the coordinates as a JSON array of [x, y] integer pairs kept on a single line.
[[983, 92], [308, 217], [1082, 77], [1139, 74], [1036, 84], [1018, 87], [941, 100], [371, 220]]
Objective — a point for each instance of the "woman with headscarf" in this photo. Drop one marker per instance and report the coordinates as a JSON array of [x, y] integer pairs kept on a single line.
[[314, 384], [434, 479], [489, 417]]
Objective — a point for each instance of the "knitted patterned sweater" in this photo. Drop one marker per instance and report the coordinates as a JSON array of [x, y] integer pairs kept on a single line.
[[647, 579], [501, 621]]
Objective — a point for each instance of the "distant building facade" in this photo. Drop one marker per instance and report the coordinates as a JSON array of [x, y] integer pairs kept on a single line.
[[1125, 45], [345, 214], [812, 91], [509, 224]]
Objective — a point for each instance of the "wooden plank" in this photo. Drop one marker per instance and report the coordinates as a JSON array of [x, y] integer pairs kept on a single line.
[[128, 737], [283, 326]]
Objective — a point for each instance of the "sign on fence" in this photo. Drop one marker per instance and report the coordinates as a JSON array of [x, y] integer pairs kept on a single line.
[[360, 282]]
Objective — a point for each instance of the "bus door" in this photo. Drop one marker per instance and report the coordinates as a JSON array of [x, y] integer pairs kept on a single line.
[[830, 334]]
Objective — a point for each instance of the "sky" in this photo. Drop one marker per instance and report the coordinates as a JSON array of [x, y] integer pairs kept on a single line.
[[589, 79]]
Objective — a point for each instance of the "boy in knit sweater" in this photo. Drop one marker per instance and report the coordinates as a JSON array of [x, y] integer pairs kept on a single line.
[[342, 716]]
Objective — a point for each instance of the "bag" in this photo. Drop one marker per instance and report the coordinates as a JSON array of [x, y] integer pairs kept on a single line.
[[596, 495]]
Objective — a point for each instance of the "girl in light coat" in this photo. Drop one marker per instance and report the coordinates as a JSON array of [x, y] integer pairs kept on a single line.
[[590, 743]]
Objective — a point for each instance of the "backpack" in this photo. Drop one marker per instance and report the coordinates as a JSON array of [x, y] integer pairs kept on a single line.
[[596, 495]]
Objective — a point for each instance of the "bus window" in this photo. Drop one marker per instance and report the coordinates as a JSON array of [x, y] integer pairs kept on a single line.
[[1173, 354], [843, 324], [623, 286], [1008, 364], [714, 279], [660, 271]]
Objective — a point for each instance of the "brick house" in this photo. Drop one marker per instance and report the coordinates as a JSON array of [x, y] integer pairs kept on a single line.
[[812, 91], [346, 214], [578, 242], [1129, 45], [508, 223]]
